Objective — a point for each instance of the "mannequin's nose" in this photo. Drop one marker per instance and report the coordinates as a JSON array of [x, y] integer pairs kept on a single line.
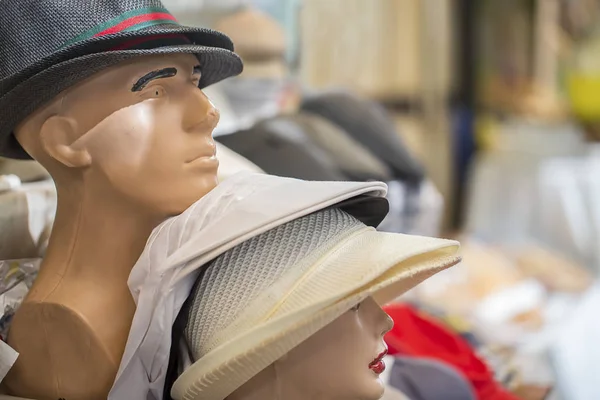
[[388, 323], [201, 114], [384, 321], [212, 117]]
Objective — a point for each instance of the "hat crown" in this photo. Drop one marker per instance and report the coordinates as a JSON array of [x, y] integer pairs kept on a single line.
[[250, 283], [31, 30]]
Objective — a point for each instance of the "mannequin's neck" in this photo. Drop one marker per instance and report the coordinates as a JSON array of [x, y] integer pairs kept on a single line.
[[270, 392], [271, 384], [95, 237]]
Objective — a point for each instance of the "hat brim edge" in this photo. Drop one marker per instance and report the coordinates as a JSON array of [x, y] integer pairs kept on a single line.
[[221, 64], [95, 45]]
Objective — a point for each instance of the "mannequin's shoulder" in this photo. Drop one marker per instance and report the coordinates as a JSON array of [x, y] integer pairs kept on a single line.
[[49, 327], [48, 337], [62, 323]]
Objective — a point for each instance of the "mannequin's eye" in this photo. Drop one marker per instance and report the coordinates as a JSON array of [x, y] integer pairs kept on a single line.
[[156, 91], [356, 307], [153, 92]]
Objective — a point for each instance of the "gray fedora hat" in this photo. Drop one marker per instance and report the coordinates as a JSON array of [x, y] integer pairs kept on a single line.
[[47, 46]]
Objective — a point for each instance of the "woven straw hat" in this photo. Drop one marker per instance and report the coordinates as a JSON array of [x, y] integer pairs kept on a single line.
[[46, 46], [260, 299]]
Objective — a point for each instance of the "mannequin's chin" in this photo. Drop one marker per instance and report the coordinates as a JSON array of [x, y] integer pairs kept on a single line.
[[375, 389], [381, 384]]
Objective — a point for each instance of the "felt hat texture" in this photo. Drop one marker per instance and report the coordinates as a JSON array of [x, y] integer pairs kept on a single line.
[[47, 46]]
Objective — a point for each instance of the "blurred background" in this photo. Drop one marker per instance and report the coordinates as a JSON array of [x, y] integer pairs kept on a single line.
[[483, 116]]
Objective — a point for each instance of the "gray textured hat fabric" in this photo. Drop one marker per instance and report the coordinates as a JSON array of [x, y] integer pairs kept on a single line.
[[46, 46], [280, 147], [422, 379], [267, 255], [354, 159], [238, 277], [368, 123]]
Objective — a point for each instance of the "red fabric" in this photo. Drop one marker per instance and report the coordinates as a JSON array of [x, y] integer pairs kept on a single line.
[[416, 335], [136, 20]]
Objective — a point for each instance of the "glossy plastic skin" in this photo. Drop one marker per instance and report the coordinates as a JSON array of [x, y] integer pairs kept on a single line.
[[126, 148], [338, 362]]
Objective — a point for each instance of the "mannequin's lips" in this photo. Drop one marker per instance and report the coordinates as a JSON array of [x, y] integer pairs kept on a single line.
[[208, 155], [377, 365], [205, 161]]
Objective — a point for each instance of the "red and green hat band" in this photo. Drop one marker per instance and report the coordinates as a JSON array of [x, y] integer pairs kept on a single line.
[[128, 22]]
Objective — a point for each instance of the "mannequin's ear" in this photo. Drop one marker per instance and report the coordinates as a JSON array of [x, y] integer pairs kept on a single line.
[[58, 136]]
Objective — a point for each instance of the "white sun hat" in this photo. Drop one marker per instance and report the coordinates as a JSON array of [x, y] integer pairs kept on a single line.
[[260, 299], [243, 206]]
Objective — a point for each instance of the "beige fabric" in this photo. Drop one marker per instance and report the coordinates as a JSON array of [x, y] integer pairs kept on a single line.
[[498, 295], [255, 34], [375, 47], [556, 272], [260, 42], [269, 69]]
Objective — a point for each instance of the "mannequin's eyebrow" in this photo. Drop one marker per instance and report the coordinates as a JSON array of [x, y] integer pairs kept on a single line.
[[150, 76]]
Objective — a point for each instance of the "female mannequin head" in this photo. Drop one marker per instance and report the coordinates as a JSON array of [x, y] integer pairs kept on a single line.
[[341, 361], [294, 313]]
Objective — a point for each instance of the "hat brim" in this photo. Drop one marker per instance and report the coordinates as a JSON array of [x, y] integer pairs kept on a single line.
[[369, 263], [22, 99]]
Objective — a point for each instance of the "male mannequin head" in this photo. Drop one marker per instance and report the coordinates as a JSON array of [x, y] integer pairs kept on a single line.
[[138, 133], [109, 101]]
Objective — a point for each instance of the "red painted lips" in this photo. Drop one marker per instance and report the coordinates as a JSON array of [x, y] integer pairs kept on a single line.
[[377, 365]]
